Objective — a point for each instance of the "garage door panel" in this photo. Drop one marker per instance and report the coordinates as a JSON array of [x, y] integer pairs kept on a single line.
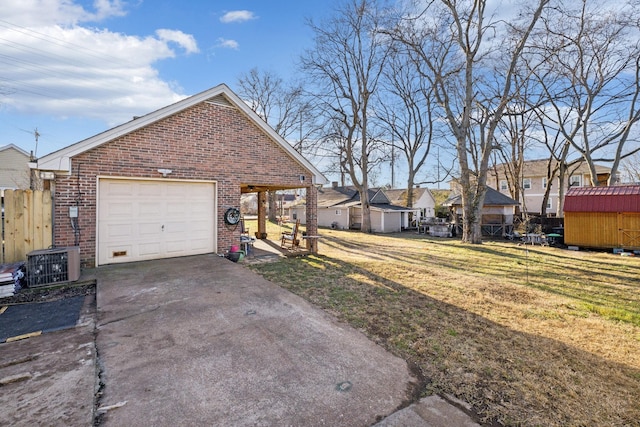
[[150, 249], [199, 244], [118, 188], [118, 230], [149, 189], [176, 247], [121, 209], [149, 229], [143, 220]]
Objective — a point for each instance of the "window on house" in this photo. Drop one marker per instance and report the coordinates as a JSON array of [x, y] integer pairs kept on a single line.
[[575, 181], [503, 185], [526, 183], [549, 204], [338, 211], [544, 182]]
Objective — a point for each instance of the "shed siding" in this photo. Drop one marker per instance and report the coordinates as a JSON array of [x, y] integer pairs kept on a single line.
[[591, 229], [602, 229]]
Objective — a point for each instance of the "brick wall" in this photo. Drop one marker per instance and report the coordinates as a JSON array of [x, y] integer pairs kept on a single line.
[[205, 142]]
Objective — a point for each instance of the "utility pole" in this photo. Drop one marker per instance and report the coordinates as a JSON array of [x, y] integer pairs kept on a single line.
[[36, 134]]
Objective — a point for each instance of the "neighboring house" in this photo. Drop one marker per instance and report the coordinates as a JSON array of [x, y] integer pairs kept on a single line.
[[603, 217], [340, 207], [297, 210], [422, 200], [169, 183], [534, 183], [14, 168], [497, 213]]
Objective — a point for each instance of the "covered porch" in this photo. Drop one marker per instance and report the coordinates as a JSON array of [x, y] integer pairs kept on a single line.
[[309, 243]]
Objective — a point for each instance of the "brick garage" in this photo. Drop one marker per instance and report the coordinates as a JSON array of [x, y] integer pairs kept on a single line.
[[210, 139]]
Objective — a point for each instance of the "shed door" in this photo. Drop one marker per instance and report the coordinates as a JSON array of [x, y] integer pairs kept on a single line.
[[143, 220], [629, 230]]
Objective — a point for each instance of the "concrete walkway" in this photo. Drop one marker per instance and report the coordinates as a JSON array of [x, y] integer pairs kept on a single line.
[[204, 341]]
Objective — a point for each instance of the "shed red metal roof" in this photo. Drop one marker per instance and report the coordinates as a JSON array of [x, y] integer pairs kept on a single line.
[[618, 198]]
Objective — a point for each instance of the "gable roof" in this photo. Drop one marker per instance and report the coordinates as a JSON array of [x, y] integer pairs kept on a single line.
[[14, 147], [491, 198], [332, 196], [344, 197], [619, 198], [398, 197], [61, 160]]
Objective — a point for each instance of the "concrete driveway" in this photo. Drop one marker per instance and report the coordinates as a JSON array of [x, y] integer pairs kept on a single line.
[[203, 341]]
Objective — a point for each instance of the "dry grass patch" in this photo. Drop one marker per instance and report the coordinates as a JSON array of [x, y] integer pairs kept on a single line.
[[528, 336]]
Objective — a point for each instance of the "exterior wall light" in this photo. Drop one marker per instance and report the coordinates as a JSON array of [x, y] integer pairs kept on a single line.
[[47, 175]]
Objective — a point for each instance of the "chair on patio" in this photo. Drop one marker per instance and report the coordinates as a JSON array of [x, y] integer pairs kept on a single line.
[[291, 239], [246, 241]]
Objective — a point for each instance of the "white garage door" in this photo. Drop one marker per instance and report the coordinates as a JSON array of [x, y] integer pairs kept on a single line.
[[142, 220]]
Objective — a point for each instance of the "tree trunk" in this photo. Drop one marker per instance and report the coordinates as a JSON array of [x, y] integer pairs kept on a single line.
[[273, 206]]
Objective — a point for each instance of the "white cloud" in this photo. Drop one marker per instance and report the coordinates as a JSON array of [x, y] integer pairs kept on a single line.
[[228, 44], [186, 41], [62, 12], [237, 16], [50, 65]]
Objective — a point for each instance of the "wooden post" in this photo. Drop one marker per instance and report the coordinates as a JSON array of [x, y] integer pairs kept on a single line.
[[312, 218], [262, 215]]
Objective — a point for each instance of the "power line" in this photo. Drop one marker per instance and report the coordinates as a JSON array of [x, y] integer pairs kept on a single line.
[[63, 43], [73, 69]]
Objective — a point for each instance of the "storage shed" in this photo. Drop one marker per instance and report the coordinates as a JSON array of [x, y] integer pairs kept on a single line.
[[603, 217]]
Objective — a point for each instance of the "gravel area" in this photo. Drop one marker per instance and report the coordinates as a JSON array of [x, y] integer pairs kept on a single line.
[[50, 293]]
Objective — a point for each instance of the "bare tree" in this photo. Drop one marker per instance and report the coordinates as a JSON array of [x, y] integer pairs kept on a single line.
[[631, 168], [407, 111], [345, 66], [454, 45], [517, 135], [592, 79], [283, 106]]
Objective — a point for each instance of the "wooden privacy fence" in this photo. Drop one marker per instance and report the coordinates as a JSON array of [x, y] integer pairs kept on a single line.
[[26, 223]]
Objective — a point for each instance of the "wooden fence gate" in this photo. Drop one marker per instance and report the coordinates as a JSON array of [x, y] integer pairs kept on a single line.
[[26, 223]]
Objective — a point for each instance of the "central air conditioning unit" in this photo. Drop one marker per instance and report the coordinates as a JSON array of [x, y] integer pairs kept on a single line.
[[52, 266]]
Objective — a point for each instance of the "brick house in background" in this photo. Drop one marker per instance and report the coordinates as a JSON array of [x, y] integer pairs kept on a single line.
[[534, 183], [167, 184]]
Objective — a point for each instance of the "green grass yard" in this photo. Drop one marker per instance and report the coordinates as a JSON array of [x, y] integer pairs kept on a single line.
[[526, 335]]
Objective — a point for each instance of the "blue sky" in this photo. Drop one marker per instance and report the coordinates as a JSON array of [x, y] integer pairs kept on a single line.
[[74, 68]]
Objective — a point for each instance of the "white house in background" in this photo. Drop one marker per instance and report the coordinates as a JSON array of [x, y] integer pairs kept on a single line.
[[14, 168], [422, 200], [297, 210], [340, 207], [535, 182]]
